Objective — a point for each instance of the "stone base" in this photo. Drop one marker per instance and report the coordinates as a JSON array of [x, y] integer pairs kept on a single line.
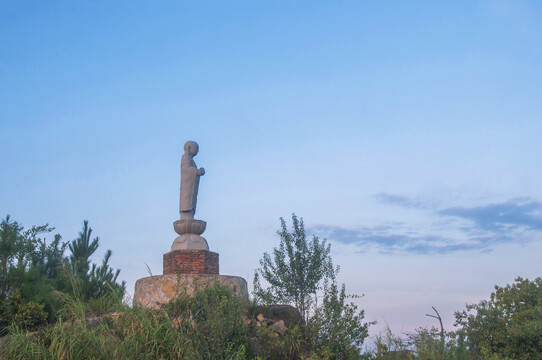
[[152, 291], [189, 242], [191, 262], [189, 226]]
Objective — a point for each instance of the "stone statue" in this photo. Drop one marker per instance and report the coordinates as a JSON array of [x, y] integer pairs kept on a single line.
[[189, 266], [187, 227], [189, 180]]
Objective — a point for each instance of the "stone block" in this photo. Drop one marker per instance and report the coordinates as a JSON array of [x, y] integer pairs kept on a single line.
[[152, 291]]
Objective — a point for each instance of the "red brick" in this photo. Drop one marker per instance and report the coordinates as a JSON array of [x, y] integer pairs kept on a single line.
[[191, 262]]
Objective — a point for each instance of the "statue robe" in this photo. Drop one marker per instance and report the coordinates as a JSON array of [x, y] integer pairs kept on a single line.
[[189, 184]]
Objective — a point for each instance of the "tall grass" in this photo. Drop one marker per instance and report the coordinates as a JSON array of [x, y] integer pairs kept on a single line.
[[207, 325]]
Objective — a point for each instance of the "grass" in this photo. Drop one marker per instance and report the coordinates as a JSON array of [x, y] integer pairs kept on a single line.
[[198, 327]]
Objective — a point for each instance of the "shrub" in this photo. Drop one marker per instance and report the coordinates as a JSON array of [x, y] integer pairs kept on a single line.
[[337, 330], [509, 325], [26, 315]]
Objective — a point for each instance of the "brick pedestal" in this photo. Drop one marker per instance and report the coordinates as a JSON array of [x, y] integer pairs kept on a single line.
[[191, 262]]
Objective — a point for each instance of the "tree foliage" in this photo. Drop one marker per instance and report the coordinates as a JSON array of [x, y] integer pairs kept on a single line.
[[90, 281], [338, 330], [508, 325], [24, 254], [298, 272], [31, 269], [297, 268]]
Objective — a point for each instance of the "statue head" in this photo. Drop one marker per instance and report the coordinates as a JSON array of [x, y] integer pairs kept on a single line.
[[191, 148]]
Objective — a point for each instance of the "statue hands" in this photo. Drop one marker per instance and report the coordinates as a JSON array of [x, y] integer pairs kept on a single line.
[[201, 171]]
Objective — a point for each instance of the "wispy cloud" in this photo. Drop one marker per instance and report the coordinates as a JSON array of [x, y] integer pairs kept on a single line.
[[399, 200], [488, 226], [388, 242], [515, 213]]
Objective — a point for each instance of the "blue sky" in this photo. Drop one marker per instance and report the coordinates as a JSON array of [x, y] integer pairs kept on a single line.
[[407, 134]]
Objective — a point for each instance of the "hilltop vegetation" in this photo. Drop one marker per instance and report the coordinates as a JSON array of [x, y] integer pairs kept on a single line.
[[57, 306], [36, 276], [298, 272]]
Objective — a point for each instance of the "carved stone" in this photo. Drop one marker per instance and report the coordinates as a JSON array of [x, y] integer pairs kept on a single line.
[[189, 231], [190, 175], [187, 227]]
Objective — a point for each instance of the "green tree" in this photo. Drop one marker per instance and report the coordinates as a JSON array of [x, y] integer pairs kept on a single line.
[[81, 250], [21, 252], [337, 327], [9, 233], [90, 282], [25, 286], [296, 270], [31, 269], [48, 257], [508, 326]]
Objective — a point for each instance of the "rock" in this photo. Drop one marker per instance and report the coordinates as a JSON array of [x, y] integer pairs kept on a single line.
[[274, 313], [255, 344], [279, 327], [152, 291]]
